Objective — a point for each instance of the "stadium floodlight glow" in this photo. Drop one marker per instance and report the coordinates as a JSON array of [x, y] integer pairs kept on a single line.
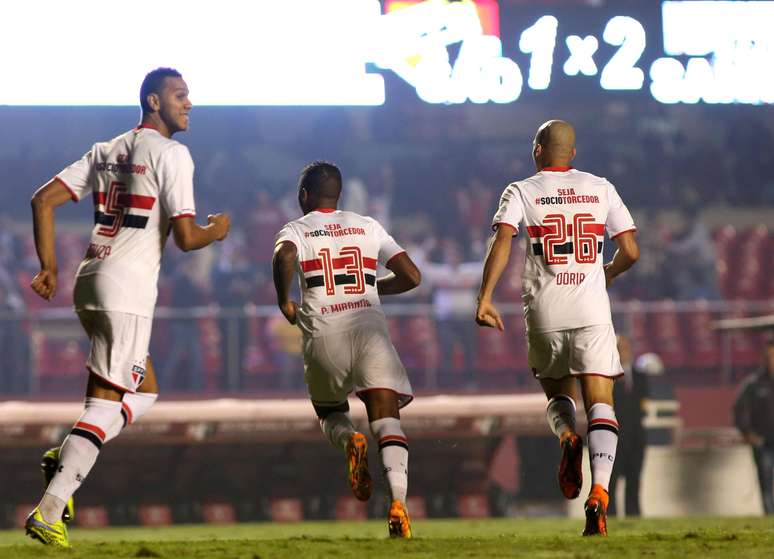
[[230, 53], [581, 57], [339, 52]]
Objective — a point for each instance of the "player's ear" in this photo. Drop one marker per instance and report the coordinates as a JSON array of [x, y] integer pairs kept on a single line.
[[154, 101], [572, 156]]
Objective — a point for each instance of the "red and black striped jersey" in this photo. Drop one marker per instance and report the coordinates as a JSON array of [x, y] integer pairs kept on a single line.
[[137, 181], [338, 255], [566, 213]]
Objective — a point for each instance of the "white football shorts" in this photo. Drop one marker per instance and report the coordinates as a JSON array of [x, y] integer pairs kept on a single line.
[[119, 346], [359, 360], [591, 350]]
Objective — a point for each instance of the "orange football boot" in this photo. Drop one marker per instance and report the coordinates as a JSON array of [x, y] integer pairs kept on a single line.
[[398, 521], [357, 467], [571, 467], [596, 512]]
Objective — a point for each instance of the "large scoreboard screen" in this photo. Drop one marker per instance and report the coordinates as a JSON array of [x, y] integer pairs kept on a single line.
[[348, 52]]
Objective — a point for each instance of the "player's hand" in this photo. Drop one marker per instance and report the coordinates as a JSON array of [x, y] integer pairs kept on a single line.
[[487, 315], [44, 284], [290, 310], [221, 223]]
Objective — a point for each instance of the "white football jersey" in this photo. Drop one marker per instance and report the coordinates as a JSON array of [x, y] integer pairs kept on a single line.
[[138, 182], [566, 213], [338, 254]]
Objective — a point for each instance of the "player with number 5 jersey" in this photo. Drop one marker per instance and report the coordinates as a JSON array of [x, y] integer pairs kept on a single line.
[[565, 214], [347, 347], [141, 185]]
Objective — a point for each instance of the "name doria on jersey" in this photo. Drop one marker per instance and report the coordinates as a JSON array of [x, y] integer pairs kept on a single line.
[[346, 306], [335, 230], [566, 196]]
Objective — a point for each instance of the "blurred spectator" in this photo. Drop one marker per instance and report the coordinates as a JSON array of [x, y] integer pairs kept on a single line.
[[692, 258], [184, 333], [285, 344], [754, 417], [454, 283], [629, 395]]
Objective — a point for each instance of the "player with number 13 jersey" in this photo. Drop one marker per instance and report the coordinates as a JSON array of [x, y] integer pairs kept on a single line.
[[347, 346]]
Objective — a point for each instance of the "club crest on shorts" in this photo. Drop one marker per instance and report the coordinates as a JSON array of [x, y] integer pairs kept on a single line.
[[138, 375]]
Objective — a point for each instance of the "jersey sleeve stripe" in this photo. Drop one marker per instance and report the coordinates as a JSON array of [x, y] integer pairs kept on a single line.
[[183, 215], [496, 225], [622, 232], [70, 190]]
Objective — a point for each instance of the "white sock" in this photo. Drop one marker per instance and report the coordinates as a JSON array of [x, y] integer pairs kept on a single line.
[[602, 439], [133, 407], [338, 428], [393, 448], [560, 414], [78, 454]]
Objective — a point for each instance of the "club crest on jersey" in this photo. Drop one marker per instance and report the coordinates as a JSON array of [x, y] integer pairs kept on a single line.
[[138, 376]]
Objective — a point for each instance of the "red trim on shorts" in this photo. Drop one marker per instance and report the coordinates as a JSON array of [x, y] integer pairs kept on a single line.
[[182, 215], [387, 265], [622, 232], [399, 394], [70, 190], [93, 428], [113, 384], [128, 410], [535, 373]]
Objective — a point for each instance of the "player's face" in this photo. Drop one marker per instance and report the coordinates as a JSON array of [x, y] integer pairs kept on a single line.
[[175, 106]]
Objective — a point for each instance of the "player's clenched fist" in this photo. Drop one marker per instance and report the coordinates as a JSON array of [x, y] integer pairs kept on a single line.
[[222, 224], [487, 315], [44, 284]]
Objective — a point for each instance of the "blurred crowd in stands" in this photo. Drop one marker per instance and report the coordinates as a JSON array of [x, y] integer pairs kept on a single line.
[[699, 180]]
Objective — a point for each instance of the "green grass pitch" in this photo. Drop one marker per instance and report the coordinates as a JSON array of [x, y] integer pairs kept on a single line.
[[733, 538]]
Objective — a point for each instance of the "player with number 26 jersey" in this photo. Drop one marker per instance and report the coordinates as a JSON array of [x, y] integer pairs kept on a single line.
[[566, 213]]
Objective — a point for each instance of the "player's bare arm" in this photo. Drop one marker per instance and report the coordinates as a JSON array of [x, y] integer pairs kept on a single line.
[[625, 256], [405, 276], [190, 236], [44, 202], [283, 266], [498, 253]]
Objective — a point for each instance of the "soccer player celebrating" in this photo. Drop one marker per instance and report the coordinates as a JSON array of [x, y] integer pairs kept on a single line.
[[141, 183], [346, 343], [566, 307]]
